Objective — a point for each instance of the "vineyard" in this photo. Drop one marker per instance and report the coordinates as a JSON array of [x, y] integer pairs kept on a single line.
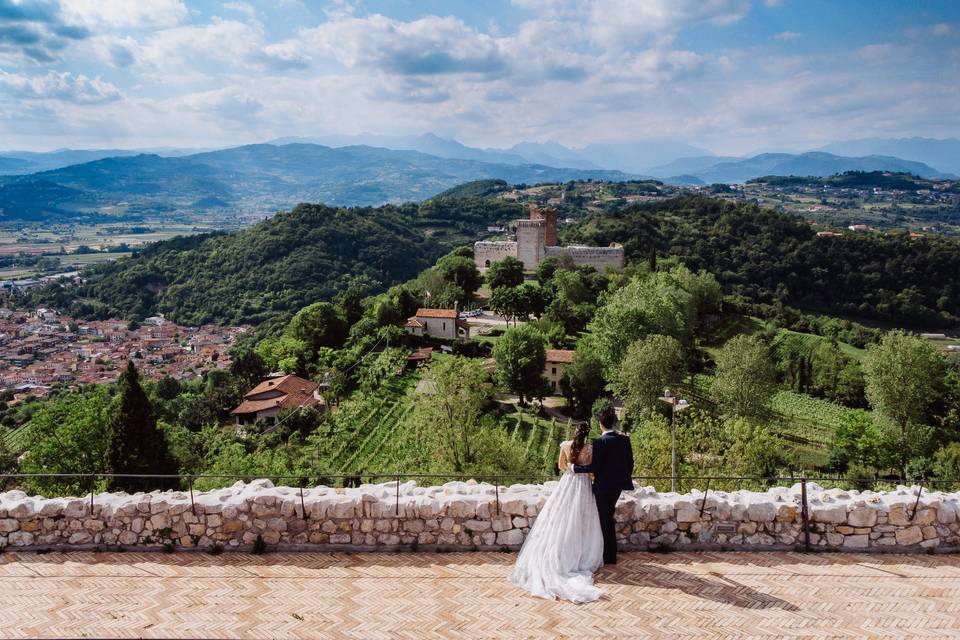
[[374, 433]]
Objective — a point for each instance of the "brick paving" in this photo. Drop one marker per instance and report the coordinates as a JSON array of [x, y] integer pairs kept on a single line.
[[466, 595]]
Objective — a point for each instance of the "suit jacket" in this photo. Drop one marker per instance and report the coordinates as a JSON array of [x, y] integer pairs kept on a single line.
[[612, 464]]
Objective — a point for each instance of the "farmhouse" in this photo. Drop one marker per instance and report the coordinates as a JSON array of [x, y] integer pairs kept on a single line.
[[438, 323], [266, 400], [557, 360], [536, 240]]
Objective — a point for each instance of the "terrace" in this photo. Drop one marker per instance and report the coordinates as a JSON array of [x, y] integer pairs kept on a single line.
[[466, 595]]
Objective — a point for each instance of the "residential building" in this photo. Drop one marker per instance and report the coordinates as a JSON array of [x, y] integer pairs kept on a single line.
[[557, 360], [266, 400], [438, 323]]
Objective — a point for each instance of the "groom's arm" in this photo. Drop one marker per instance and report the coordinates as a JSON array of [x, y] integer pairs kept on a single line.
[[594, 461]]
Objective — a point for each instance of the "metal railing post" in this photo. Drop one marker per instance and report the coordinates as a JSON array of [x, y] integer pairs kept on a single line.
[[703, 505], [496, 492], [193, 506], [93, 484], [804, 514], [303, 507], [917, 503], [397, 506]]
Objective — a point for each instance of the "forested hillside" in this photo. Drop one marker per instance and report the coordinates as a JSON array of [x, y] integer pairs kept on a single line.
[[313, 252], [771, 258], [276, 267]]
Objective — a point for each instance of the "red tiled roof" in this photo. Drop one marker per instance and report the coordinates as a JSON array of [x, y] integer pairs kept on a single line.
[[560, 355], [436, 313], [289, 401], [413, 322], [286, 384]]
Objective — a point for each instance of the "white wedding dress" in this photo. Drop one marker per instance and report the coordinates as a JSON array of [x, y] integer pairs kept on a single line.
[[565, 544]]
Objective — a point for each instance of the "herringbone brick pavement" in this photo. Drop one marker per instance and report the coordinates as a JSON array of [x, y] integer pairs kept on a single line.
[[466, 595]]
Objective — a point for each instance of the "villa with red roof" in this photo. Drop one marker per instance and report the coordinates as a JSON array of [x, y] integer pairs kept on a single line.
[[266, 400]]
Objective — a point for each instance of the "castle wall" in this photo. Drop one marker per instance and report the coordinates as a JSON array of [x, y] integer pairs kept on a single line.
[[485, 253], [597, 257], [469, 515]]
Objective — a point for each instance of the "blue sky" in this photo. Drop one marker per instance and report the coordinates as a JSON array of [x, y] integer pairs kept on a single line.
[[733, 76]]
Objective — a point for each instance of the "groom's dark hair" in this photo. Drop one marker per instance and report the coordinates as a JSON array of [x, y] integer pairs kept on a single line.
[[606, 417]]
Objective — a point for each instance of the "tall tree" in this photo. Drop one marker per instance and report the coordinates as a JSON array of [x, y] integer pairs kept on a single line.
[[521, 358], [505, 273], [462, 272], [746, 377], [453, 409], [582, 381], [136, 445], [904, 375], [651, 365], [318, 325]]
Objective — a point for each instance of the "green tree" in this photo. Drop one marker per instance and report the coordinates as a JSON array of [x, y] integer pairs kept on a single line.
[[450, 415], [505, 273], [318, 325], [167, 388], [69, 434], [521, 358], [860, 443], [745, 377], [752, 450], [582, 381], [650, 365], [461, 272], [136, 445], [904, 375]]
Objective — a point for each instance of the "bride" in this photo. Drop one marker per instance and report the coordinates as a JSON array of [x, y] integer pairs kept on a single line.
[[565, 544]]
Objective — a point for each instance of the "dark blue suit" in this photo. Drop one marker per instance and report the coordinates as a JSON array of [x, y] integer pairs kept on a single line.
[[612, 468]]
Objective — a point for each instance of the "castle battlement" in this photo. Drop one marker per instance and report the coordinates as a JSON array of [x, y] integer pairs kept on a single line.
[[537, 240]]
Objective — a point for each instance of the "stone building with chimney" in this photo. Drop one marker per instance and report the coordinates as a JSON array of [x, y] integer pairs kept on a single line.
[[536, 240]]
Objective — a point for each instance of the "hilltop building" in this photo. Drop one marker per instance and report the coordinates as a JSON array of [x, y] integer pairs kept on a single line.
[[536, 240], [438, 323]]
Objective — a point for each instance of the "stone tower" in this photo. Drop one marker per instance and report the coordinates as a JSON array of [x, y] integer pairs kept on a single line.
[[549, 217], [530, 244]]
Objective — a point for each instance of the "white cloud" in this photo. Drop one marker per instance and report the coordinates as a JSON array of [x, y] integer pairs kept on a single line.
[[428, 46], [97, 14], [59, 86]]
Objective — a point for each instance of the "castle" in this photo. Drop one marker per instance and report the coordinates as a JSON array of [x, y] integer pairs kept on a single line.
[[536, 240]]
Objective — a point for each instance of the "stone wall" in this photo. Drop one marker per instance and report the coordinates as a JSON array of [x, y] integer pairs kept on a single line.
[[468, 515], [486, 252], [597, 257]]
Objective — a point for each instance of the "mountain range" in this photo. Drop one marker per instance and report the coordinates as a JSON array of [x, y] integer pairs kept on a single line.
[[712, 169], [257, 179]]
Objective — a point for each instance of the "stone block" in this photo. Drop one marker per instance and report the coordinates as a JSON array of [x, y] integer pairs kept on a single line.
[[9, 524], [762, 512], [20, 539], [512, 537], [909, 536], [862, 517], [856, 541]]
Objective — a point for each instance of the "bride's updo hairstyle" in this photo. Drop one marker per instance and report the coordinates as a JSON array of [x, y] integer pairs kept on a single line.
[[580, 434]]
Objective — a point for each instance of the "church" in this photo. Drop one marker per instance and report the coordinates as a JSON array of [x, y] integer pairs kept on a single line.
[[536, 240]]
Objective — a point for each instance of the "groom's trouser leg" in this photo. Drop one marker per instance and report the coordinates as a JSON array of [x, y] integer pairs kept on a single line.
[[607, 505]]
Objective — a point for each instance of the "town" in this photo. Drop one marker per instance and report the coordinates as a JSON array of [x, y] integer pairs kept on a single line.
[[41, 349]]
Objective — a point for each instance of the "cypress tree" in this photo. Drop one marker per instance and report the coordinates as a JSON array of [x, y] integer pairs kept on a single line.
[[137, 446]]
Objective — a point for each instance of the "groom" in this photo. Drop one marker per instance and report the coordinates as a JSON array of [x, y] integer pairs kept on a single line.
[[612, 467]]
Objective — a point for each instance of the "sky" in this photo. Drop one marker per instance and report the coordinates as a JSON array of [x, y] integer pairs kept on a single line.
[[732, 76]]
